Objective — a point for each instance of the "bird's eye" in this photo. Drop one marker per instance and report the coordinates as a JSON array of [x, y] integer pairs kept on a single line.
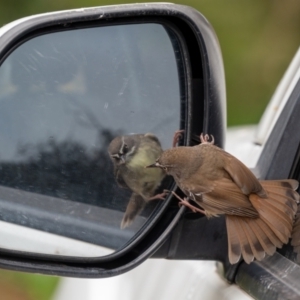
[[125, 148]]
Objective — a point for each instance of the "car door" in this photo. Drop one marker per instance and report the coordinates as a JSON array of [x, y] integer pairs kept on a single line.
[[272, 150]]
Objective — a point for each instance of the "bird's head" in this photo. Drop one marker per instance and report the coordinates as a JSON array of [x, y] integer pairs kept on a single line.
[[176, 161], [123, 148]]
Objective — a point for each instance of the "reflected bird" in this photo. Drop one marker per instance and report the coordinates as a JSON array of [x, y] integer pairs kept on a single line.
[[259, 214], [130, 155]]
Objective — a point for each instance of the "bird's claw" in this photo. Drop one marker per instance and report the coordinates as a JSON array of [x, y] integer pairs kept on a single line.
[[183, 203], [161, 196], [177, 136], [193, 208], [186, 203], [204, 139]]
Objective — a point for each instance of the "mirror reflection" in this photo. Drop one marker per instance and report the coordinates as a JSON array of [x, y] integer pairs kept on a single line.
[[81, 113]]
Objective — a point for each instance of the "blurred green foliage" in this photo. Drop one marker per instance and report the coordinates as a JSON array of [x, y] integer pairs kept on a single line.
[[22, 286], [258, 40]]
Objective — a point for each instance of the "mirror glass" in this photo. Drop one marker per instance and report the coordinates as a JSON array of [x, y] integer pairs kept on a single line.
[[76, 108]]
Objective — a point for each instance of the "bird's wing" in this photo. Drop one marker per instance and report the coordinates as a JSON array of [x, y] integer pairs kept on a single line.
[[120, 179], [222, 197], [242, 176], [135, 205]]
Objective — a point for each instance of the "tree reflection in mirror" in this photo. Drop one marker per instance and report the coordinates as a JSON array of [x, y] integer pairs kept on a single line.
[[64, 97]]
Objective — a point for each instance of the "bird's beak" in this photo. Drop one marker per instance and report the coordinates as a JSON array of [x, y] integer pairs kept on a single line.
[[120, 157], [155, 165]]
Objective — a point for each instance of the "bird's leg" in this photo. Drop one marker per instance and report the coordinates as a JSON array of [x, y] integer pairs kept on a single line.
[[186, 203], [161, 196], [177, 136], [204, 139]]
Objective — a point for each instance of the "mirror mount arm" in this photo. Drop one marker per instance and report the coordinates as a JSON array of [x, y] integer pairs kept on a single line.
[[197, 238]]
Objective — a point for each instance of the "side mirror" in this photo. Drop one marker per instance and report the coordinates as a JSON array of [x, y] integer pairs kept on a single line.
[[72, 82]]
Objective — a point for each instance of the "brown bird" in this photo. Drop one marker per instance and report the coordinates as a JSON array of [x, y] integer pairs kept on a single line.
[[259, 214], [130, 154]]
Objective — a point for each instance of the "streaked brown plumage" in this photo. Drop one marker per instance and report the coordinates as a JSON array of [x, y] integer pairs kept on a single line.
[[259, 214], [130, 154]]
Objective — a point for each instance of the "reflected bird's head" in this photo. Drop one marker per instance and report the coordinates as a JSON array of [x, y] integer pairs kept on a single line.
[[123, 148], [137, 150]]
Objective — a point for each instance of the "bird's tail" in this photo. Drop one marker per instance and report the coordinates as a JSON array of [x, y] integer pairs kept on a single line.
[[255, 237], [134, 207]]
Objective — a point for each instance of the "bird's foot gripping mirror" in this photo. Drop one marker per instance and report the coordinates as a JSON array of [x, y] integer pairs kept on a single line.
[[88, 99]]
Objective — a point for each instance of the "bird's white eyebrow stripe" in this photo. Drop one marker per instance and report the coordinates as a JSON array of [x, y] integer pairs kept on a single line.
[[123, 143], [131, 151]]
